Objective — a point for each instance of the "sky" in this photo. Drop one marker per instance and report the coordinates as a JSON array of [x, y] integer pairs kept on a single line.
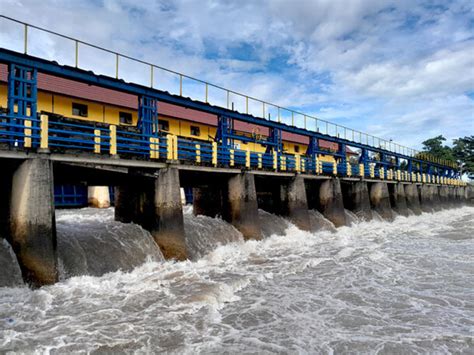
[[401, 70]]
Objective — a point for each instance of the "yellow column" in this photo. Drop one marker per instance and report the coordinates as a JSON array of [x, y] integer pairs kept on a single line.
[[349, 169], [361, 170], [154, 148], [372, 170], [275, 161], [97, 141], [214, 153], [113, 140], [259, 160], [283, 163], [297, 163], [382, 173], [198, 153], [44, 131], [175, 147], [303, 164], [231, 151], [334, 168], [247, 158], [27, 133]]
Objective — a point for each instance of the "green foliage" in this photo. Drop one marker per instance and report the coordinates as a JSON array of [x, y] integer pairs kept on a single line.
[[462, 151]]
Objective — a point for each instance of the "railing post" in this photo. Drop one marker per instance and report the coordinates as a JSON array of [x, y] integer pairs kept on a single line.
[[231, 156], [44, 132], [198, 153], [275, 161], [27, 132], [77, 54], [26, 39], [97, 141], [298, 163], [361, 170], [113, 140], [154, 148], [259, 160], [334, 168], [247, 158], [214, 153], [169, 147], [348, 169], [283, 163]]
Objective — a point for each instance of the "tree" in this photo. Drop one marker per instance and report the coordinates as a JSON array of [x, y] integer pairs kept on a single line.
[[434, 146], [463, 152]]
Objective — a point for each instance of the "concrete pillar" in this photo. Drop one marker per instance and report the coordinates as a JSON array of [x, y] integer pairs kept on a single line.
[[435, 200], [444, 197], [461, 195], [331, 203], [452, 195], [168, 230], [380, 200], [207, 201], [356, 198], [412, 198], [32, 221], [426, 201], [295, 204], [98, 196], [470, 195], [398, 199], [241, 207], [5, 192]]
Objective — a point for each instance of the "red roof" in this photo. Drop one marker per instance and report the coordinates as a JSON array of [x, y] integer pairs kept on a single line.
[[58, 85]]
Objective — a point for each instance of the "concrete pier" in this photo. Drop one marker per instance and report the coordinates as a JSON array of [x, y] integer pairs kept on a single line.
[[435, 199], [380, 200], [398, 199], [168, 231], [356, 198], [426, 199], [413, 198], [98, 196], [32, 221], [241, 207], [295, 204], [331, 203]]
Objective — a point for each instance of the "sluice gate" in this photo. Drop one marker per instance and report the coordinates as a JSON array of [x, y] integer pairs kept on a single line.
[[62, 126]]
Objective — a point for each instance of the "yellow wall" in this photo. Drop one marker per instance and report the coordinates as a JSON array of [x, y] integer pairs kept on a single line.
[[98, 112]]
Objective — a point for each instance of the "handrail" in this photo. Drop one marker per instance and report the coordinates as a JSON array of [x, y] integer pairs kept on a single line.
[[382, 143]]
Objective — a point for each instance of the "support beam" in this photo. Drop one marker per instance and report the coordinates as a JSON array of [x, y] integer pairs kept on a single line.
[[331, 203], [32, 221], [380, 200], [241, 208], [294, 203], [426, 200], [168, 231]]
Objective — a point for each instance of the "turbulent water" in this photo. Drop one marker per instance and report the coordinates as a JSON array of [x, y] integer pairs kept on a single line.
[[373, 287]]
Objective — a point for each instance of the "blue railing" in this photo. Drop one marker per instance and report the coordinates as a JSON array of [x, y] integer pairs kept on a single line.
[[58, 133]]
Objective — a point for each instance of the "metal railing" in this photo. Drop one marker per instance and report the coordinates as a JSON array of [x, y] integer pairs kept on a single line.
[[230, 99]]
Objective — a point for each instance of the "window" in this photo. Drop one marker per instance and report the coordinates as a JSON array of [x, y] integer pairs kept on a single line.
[[195, 131], [297, 148], [125, 117], [163, 125], [79, 109]]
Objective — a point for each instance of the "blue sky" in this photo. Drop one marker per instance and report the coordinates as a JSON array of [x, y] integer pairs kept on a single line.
[[401, 70]]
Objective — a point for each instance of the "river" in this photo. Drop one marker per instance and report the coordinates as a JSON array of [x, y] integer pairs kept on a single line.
[[372, 287]]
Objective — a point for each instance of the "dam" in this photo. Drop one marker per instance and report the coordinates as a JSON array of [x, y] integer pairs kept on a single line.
[[63, 125]]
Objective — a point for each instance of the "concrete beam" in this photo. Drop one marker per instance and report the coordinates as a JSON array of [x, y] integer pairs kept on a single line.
[[380, 200], [241, 207], [32, 221], [356, 199]]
